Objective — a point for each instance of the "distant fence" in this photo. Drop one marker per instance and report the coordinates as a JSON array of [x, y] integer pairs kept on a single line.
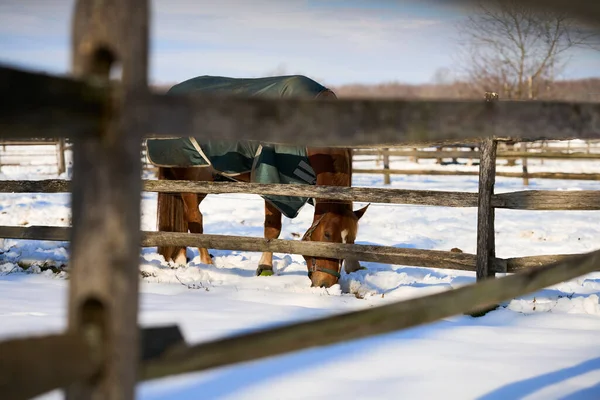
[[103, 353], [54, 149], [590, 151], [19, 153]]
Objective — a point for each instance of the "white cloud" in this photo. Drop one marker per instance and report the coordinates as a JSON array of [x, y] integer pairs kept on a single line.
[[266, 23], [40, 18], [335, 41]]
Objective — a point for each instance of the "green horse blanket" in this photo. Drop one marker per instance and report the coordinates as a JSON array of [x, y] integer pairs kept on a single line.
[[267, 163]]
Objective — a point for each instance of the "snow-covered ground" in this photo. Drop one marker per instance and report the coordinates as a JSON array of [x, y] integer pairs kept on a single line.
[[541, 346]]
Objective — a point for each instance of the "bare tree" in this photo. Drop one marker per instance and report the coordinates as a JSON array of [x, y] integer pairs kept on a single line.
[[512, 49], [442, 76]]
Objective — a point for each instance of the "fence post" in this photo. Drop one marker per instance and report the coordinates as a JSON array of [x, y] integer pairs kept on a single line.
[[524, 164], [386, 166], [106, 189], [61, 156], [486, 247], [414, 158]]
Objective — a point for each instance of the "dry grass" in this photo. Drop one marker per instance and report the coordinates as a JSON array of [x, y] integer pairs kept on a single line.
[[568, 90]]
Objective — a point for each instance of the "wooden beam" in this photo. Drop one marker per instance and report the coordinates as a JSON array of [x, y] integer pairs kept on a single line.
[[475, 154], [54, 107], [105, 238], [521, 200], [486, 242], [548, 200], [359, 122], [532, 175], [35, 365], [518, 264], [369, 322], [29, 365], [49, 107], [386, 166], [381, 254], [61, 165], [465, 262], [359, 194]]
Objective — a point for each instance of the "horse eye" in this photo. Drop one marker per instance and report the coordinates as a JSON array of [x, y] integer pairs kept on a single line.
[[327, 235]]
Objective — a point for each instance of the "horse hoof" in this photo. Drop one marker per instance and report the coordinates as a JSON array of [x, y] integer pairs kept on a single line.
[[264, 271]]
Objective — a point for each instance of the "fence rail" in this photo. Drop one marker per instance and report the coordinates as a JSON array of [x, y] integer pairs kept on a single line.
[[373, 253], [531, 175], [107, 124], [66, 107], [476, 154], [7, 158]]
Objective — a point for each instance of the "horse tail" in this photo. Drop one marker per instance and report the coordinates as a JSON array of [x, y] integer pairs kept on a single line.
[[170, 215]]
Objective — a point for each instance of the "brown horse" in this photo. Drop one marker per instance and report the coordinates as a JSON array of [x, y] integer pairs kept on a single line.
[[334, 221]]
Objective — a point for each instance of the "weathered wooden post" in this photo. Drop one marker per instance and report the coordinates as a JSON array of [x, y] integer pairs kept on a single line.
[[106, 193], [386, 166], [485, 212], [486, 244], [60, 156], [524, 165]]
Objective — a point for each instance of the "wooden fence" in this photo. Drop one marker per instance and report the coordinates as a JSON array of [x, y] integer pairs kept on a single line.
[[103, 353], [12, 158], [544, 153]]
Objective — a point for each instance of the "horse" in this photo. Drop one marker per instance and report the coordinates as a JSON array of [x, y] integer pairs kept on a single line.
[[192, 159]]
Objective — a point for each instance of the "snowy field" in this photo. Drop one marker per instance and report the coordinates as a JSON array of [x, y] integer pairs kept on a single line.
[[540, 346]]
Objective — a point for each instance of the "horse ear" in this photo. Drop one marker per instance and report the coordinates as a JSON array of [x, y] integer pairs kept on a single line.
[[361, 212]]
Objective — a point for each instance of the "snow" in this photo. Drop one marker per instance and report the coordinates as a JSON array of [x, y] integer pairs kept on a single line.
[[539, 346]]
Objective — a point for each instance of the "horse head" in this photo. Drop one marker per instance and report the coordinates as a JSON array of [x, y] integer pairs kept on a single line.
[[337, 225]]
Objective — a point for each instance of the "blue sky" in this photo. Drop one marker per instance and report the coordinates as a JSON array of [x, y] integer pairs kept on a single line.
[[333, 41]]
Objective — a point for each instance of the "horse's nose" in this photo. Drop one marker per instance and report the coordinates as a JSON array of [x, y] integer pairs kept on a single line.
[[320, 284], [322, 280]]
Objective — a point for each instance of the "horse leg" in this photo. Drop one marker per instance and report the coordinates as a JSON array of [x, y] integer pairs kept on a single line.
[[170, 218], [193, 216], [272, 231]]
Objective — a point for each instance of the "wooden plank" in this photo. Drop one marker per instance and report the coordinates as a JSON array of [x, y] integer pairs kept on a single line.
[[524, 165], [35, 104], [358, 194], [37, 186], [29, 365], [517, 264], [156, 341], [35, 365], [475, 154], [106, 187], [486, 247], [225, 242], [372, 253], [368, 322], [28, 141], [548, 200], [59, 107], [60, 162], [360, 122], [381, 254], [386, 167], [521, 200], [532, 175]]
